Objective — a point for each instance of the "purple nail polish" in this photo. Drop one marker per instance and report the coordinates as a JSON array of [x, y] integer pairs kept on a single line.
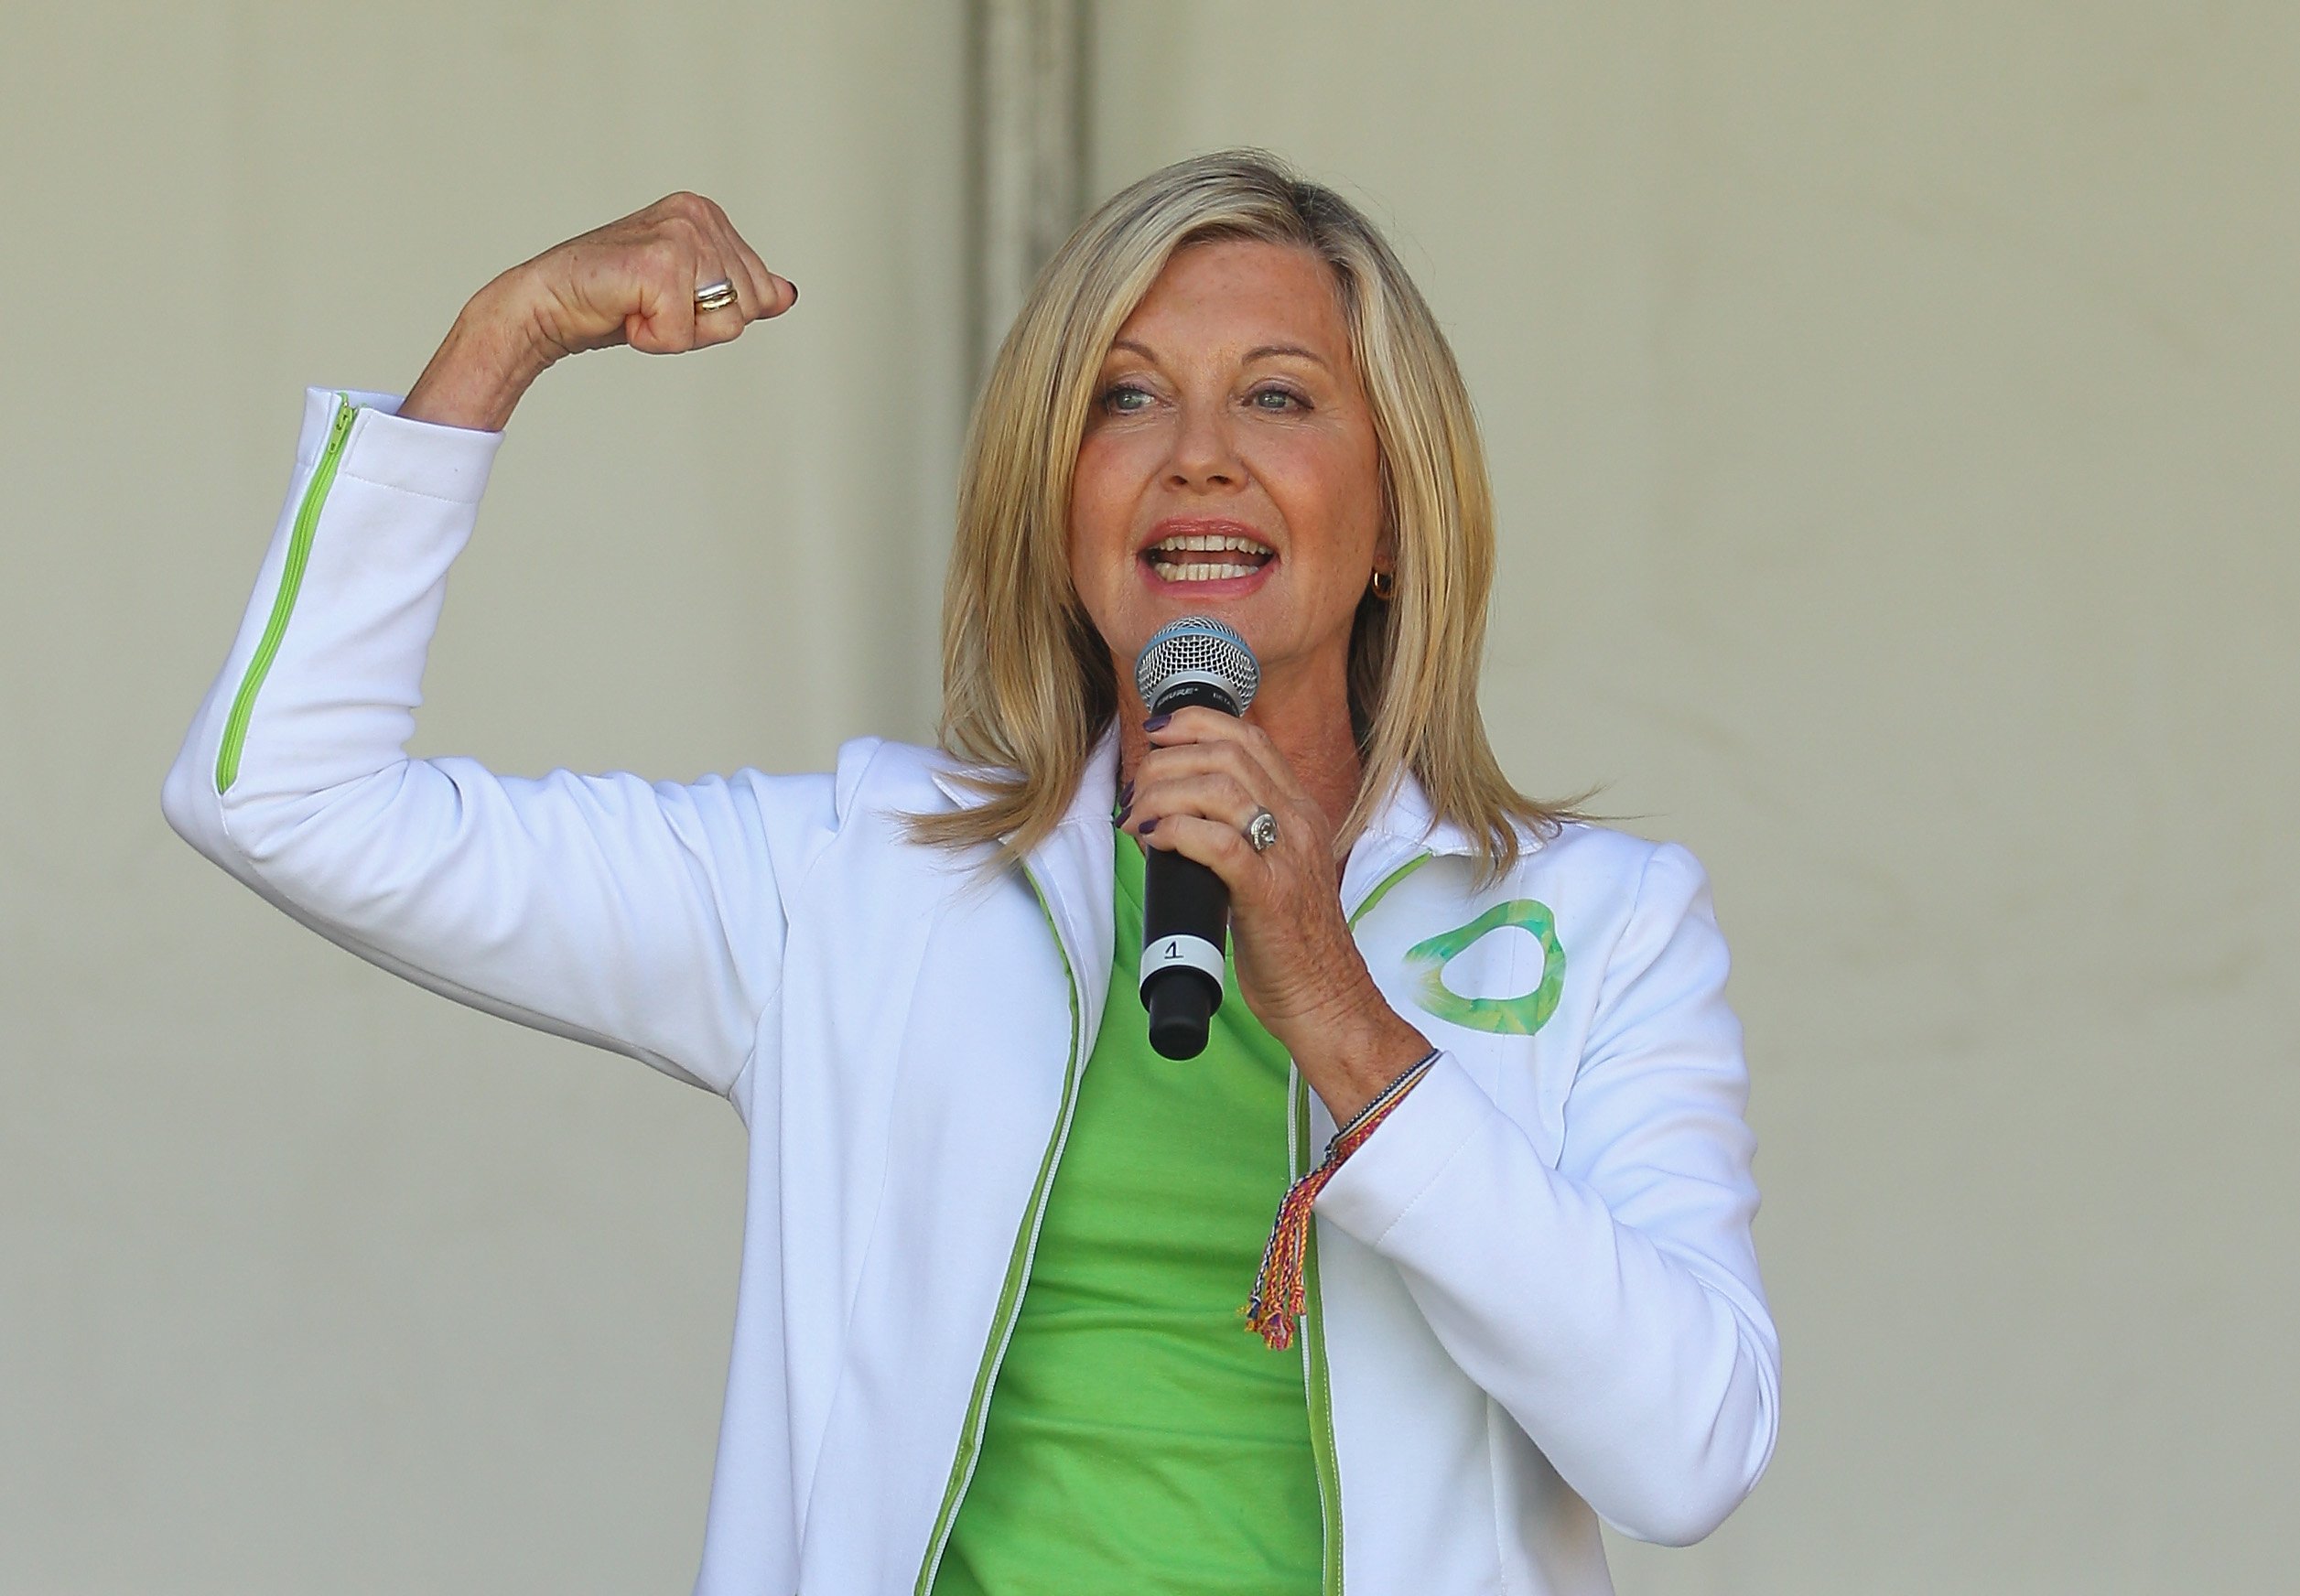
[[1124, 811], [1126, 793], [1146, 829], [1155, 721]]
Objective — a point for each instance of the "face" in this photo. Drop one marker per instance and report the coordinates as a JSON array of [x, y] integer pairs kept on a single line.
[[1229, 413]]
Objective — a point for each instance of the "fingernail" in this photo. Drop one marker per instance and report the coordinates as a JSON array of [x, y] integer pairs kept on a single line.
[[1123, 812], [1146, 829], [1155, 721], [1126, 793]]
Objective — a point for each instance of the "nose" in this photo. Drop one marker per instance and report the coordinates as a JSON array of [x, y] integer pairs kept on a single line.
[[1204, 454]]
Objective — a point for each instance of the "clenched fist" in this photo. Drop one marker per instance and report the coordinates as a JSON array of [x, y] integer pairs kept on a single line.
[[630, 282]]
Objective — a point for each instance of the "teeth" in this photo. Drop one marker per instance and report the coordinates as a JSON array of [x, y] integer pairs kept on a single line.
[[1210, 542], [1199, 573]]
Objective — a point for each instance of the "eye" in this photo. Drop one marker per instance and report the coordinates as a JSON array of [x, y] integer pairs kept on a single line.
[[1277, 400], [1117, 399]]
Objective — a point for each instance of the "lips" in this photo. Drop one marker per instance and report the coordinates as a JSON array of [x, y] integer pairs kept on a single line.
[[1197, 551]]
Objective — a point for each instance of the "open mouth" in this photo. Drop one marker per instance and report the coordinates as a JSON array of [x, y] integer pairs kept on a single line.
[[1206, 557]]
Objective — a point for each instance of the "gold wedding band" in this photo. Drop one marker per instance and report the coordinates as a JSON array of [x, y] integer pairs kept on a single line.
[[715, 296]]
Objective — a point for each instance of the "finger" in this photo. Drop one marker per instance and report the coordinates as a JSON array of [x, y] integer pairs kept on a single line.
[[665, 322], [774, 295], [713, 265], [1216, 845], [1241, 750], [1217, 795], [721, 323], [1218, 784], [761, 292], [1211, 728], [762, 296]]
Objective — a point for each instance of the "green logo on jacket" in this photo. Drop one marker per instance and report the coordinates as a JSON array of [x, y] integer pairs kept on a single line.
[[1519, 1016]]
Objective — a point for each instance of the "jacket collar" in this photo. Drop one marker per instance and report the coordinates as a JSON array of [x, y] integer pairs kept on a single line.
[[1071, 869], [1095, 797]]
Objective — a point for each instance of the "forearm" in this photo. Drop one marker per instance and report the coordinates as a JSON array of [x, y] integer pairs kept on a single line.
[[320, 686], [1644, 1370]]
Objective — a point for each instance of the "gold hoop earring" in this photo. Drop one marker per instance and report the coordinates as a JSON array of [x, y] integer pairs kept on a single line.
[[1385, 586]]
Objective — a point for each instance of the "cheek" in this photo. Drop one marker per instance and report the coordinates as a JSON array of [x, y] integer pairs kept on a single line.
[[1329, 491], [1098, 485], [1101, 513]]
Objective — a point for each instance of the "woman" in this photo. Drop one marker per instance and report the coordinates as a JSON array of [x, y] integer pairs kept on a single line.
[[987, 1333]]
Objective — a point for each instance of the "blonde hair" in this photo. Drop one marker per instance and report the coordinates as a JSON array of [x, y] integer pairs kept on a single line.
[[1027, 682]]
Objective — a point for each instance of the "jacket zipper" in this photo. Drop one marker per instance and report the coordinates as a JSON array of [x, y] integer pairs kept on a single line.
[[1018, 1272], [291, 581], [1317, 1383]]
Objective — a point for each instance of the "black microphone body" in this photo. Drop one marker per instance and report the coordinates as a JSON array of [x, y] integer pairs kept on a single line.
[[1196, 661], [1186, 917]]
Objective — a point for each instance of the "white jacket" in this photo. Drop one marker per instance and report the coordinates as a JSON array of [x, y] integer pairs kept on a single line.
[[1535, 1299]]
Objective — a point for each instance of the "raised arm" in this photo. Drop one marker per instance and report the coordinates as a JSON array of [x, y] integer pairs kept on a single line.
[[646, 918], [630, 282]]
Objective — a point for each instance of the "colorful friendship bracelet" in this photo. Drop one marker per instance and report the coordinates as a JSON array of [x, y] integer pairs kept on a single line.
[[1278, 1301]]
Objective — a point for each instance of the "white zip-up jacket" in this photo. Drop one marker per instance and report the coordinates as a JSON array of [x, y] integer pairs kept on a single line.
[[1535, 1301]]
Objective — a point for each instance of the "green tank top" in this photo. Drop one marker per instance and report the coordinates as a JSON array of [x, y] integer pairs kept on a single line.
[[1140, 1439]]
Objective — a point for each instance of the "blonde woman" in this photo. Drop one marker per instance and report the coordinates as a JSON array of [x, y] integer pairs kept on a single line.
[[1478, 1062]]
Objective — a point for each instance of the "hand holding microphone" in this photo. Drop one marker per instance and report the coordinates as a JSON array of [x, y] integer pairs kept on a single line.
[[1209, 781], [1192, 663]]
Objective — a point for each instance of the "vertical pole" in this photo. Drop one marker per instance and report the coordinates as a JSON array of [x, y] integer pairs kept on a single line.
[[1028, 124]]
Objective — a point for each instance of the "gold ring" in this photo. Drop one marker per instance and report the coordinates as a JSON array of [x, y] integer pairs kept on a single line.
[[715, 296]]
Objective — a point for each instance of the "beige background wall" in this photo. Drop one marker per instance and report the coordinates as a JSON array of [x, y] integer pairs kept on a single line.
[[1891, 412]]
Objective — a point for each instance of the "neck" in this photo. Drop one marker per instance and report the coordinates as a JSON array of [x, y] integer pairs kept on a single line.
[[1308, 718]]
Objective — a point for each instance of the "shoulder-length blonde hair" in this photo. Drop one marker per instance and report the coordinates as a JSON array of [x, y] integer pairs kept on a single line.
[[1028, 684]]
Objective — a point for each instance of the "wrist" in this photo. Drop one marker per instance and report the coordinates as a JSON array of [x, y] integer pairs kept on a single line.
[[485, 364], [515, 311], [1361, 1054]]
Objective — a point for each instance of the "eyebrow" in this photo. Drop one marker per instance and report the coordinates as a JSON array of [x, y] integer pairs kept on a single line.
[[1259, 352]]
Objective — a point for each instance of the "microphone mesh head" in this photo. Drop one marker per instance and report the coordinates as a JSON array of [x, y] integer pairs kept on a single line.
[[1197, 648]]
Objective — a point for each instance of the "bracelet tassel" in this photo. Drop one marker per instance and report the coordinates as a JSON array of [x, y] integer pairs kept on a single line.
[[1275, 1309]]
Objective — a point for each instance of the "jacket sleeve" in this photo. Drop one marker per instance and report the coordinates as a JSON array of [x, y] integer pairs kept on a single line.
[[642, 918], [1612, 1305]]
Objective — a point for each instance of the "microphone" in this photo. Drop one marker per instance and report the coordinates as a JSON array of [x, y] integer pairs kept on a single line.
[[1196, 660]]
